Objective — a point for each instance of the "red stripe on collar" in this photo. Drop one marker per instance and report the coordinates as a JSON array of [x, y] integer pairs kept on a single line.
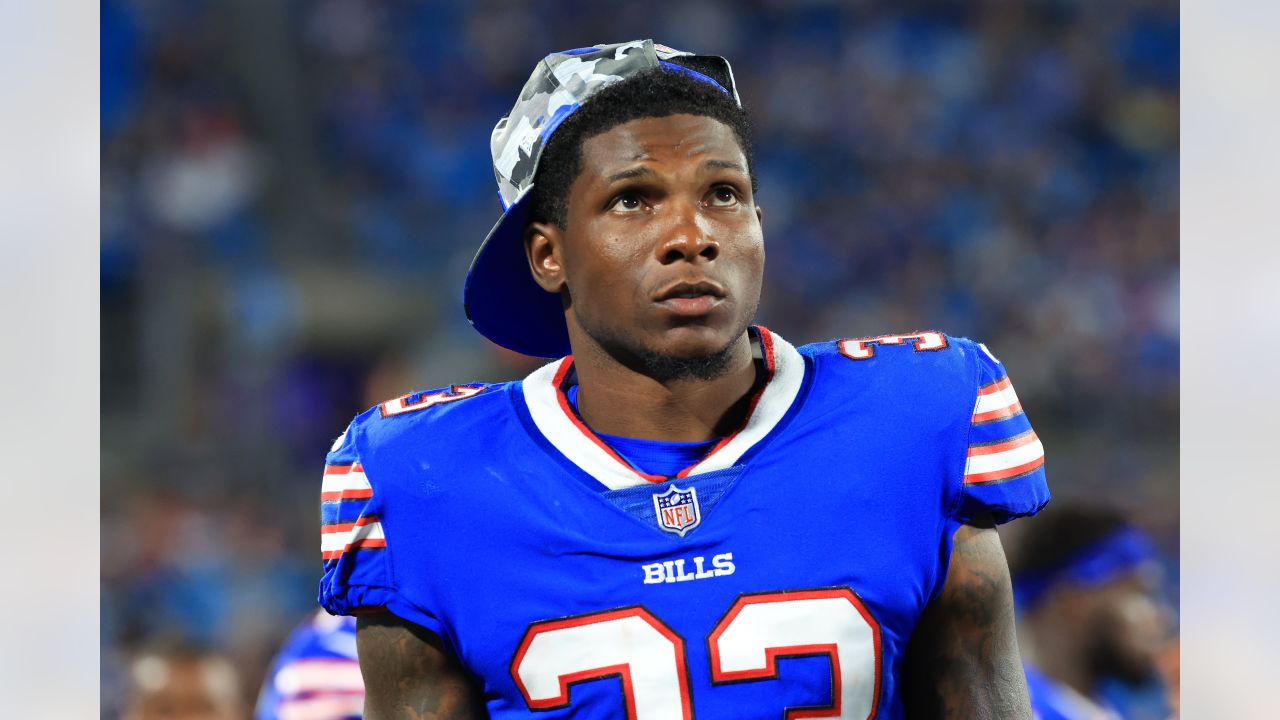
[[766, 342]]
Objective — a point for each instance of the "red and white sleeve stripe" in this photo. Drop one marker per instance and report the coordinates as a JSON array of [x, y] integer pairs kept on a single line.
[[305, 677], [345, 482], [996, 401], [364, 533], [1004, 459], [323, 707]]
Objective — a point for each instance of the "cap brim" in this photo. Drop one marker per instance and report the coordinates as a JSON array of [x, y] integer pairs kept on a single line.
[[501, 299]]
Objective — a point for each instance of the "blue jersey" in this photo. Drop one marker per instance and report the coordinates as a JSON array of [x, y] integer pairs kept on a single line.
[[1051, 700], [315, 676], [785, 570]]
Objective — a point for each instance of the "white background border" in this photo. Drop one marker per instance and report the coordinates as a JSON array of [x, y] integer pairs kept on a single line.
[[1231, 354], [1230, 358], [49, 388]]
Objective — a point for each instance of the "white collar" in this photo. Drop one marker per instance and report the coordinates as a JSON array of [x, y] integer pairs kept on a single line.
[[561, 427]]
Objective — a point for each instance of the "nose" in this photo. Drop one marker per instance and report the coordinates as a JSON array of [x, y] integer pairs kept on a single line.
[[688, 238]]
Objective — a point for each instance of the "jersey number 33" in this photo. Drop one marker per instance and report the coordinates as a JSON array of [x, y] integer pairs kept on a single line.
[[649, 657]]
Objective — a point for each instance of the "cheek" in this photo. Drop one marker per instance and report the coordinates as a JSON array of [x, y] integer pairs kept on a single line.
[[1137, 623], [749, 259], [757, 252], [607, 272], [749, 236], [1145, 618]]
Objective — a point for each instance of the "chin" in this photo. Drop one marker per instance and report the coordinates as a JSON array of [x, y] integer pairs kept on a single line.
[[1136, 674], [694, 340], [1129, 665], [687, 352]]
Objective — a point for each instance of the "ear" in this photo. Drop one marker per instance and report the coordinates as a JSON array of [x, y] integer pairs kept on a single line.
[[760, 215], [544, 247]]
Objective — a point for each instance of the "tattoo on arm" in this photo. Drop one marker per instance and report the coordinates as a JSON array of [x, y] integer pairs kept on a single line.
[[963, 660], [410, 675]]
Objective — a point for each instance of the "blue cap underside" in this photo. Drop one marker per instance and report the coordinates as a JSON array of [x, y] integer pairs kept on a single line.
[[693, 74]]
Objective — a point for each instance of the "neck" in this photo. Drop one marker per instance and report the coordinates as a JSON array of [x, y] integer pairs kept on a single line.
[[617, 400], [1054, 647]]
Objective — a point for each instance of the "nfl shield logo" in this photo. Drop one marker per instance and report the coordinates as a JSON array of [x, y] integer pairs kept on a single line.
[[678, 510]]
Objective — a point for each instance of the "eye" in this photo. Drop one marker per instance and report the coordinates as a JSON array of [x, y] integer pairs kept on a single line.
[[627, 202], [723, 196]]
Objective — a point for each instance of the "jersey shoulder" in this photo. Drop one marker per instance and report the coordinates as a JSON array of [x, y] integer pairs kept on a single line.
[[389, 466], [949, 389], [908, 362], [320, 636], [437, 418]]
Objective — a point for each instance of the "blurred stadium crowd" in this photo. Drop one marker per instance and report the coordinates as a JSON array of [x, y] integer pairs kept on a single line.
[[291, 193]]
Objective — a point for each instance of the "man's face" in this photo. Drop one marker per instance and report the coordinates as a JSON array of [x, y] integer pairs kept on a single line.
[[662, 252], [1127, 628]]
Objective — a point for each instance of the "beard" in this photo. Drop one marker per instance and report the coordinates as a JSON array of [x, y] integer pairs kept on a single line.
[[663, 367], [1108, 657]]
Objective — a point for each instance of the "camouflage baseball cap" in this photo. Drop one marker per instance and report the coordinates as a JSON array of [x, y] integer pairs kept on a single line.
[[501, 299]]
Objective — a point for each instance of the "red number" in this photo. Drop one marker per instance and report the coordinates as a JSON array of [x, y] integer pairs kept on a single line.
[[864, 348]]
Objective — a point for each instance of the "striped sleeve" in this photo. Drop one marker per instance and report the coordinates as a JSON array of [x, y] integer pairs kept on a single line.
[[316, 676], [1004, 461], [348, 522], [353, 546], [320, 690]]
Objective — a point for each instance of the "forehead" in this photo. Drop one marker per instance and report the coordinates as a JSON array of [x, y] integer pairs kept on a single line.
[[670, 139]]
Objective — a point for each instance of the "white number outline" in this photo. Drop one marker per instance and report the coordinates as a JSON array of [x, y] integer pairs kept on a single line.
[[865, 348], [718, 676], [421, 401], [621, 671], [773, 654]]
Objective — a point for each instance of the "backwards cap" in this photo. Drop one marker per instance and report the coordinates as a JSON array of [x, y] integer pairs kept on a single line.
[[501, 299]]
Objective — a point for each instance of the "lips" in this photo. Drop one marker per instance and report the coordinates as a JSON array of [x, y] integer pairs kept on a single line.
[[687, 290], [691, 298]]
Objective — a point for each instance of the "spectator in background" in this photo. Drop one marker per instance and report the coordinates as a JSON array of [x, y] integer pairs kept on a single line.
[[316, 675], [1085, 581], [183, 685]]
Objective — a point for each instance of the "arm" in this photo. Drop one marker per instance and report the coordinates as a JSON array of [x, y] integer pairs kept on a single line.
[[408, 673], [962, 661]]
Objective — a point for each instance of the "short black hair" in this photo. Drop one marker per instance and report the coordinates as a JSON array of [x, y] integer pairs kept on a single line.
[[652, 93], [1052, 538]]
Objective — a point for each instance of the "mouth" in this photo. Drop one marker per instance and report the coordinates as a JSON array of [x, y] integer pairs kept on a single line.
[[690, 299]]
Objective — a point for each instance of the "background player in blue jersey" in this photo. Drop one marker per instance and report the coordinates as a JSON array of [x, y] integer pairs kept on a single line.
[[686, 515], [1086, 582], [315, 676]]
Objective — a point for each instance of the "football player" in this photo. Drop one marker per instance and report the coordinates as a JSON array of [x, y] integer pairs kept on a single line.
[[315, 676], [1086, 584], [684, 514]]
